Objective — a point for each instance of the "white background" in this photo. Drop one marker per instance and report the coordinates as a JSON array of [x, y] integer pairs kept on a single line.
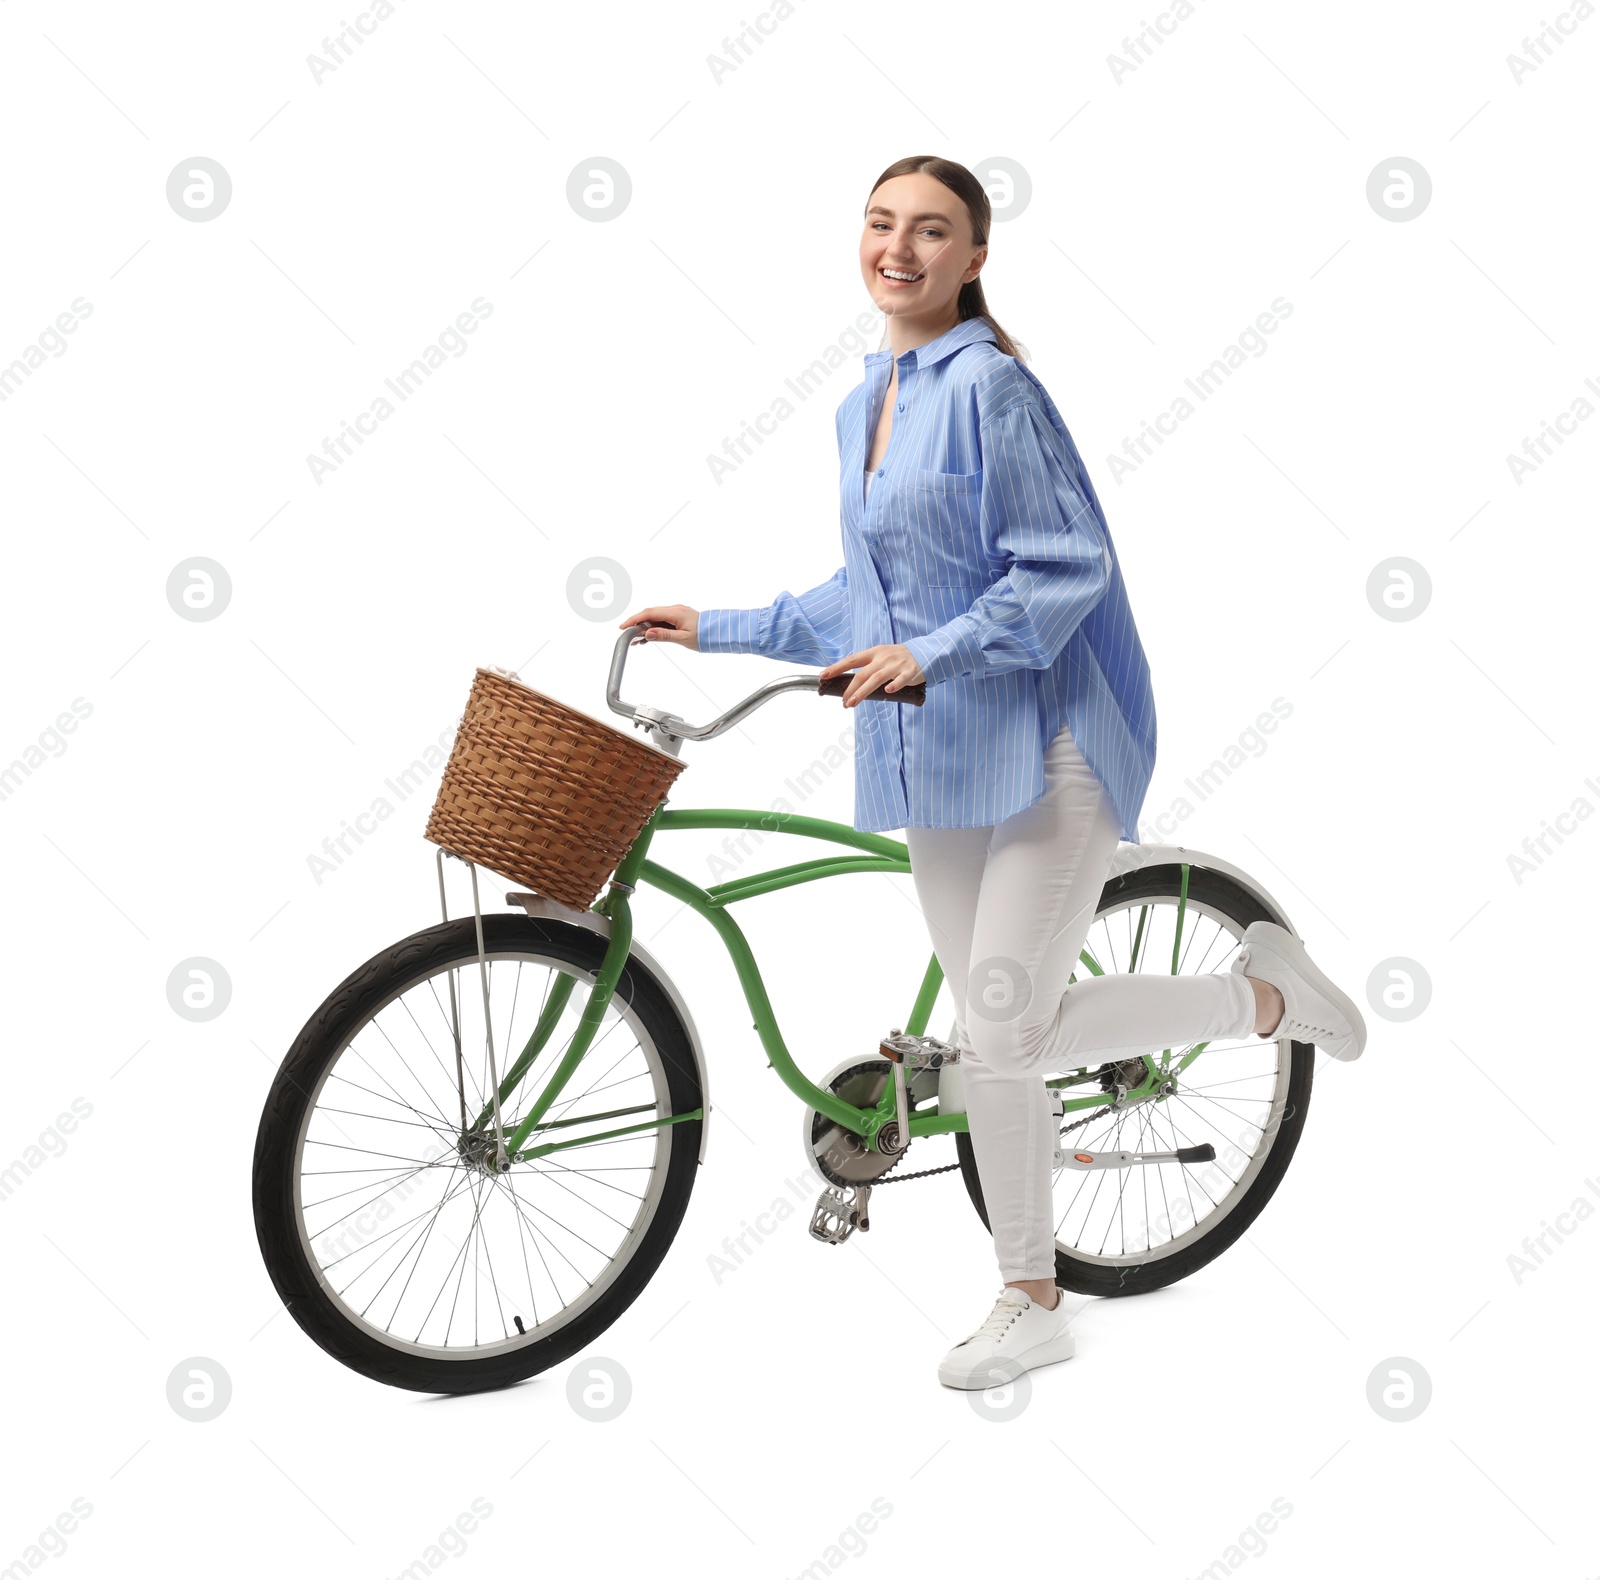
[[771, 1408]]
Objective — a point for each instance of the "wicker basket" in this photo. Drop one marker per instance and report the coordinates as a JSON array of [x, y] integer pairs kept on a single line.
[[543, 794]]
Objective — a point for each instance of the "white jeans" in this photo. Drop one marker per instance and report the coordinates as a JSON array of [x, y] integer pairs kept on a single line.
[[1008, 908]]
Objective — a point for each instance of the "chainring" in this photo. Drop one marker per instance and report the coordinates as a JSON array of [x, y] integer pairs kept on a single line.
[[840, 1156]]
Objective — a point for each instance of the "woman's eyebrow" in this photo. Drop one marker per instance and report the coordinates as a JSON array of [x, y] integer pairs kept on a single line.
[[878, 209]]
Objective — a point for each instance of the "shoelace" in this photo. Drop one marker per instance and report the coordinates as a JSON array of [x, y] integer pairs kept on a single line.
[[1006, 1311], [1312, 1033]]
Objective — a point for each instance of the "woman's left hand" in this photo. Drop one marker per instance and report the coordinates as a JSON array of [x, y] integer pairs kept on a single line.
[[890, 664]]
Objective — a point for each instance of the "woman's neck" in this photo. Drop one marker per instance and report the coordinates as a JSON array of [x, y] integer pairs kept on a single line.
[[906, 334]]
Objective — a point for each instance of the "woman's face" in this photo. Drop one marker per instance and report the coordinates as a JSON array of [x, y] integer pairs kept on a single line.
[[917, 226]]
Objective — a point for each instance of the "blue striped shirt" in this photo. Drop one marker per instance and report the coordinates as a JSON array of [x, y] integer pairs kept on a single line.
[[982, 548]]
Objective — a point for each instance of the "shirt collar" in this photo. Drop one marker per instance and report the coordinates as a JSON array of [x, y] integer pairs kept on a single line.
[[936, 350]]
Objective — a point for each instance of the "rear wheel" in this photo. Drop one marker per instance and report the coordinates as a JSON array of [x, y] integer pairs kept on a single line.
[[385, 1228], [1127, 1231]]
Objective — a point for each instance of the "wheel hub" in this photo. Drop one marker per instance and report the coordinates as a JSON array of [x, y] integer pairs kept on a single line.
[[1125, 1072], [477, 1150]]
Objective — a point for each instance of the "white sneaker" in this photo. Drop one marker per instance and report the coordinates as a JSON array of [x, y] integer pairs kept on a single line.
[[1314, 1010], [1016, 1336]]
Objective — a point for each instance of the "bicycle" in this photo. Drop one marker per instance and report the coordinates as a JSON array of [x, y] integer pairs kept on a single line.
[[451, 1222]]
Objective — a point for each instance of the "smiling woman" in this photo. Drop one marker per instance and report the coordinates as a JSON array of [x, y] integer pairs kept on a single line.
[[902, 253], [979, 563]]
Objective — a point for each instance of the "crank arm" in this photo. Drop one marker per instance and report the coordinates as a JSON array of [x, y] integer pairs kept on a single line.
[[1205, 1153], [860, 1208]]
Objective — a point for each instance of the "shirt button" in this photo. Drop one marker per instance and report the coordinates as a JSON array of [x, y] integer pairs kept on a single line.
[[879, 472], [901, 406]]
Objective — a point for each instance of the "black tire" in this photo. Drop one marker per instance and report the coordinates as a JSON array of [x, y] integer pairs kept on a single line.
[[315, 1051], [1089, 1277]]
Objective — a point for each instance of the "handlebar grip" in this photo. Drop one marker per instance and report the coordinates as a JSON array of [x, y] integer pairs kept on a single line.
[[836, 685]]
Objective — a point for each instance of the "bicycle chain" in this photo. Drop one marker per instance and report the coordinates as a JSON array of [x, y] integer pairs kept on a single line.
[[921, 1174], [900, 1179]]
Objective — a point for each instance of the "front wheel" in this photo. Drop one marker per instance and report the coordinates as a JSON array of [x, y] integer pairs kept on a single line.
[[386, 1229], [1128, 1231]]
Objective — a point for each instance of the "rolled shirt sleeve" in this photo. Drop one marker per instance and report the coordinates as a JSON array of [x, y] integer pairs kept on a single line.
[[813, 628], [1034, 514]]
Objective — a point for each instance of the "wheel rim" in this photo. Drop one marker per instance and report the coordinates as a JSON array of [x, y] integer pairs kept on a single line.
[[413, 1243], [1234, 1095]]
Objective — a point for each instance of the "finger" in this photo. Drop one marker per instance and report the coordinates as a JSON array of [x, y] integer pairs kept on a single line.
[[867, 680], [840, 665]]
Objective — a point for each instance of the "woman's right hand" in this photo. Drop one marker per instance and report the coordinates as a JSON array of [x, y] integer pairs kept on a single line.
[[684, 624]]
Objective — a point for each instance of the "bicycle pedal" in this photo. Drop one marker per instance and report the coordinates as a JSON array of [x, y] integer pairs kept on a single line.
[[918, 1053], [839, 1213]]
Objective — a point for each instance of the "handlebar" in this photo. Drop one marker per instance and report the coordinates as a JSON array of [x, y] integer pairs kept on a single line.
[[669, 731]]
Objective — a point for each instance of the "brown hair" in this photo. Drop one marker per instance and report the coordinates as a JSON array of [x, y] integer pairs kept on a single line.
[[967, 187]]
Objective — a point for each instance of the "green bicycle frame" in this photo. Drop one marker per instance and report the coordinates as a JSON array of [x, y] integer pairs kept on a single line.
[[878, 854]]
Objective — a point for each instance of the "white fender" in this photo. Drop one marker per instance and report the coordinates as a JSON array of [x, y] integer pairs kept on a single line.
[[542, 905], [1130, 858]]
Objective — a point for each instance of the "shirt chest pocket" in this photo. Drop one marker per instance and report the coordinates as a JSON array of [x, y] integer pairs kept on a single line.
[[939, 519]]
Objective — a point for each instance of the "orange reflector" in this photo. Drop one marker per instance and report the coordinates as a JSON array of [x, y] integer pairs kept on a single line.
[[1084, 1157]]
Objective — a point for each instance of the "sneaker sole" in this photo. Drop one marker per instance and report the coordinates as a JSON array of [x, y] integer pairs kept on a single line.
[[1061, 1348], [1282, 943]]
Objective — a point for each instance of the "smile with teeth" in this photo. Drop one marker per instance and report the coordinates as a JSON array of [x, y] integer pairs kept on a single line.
[[903, 275]]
